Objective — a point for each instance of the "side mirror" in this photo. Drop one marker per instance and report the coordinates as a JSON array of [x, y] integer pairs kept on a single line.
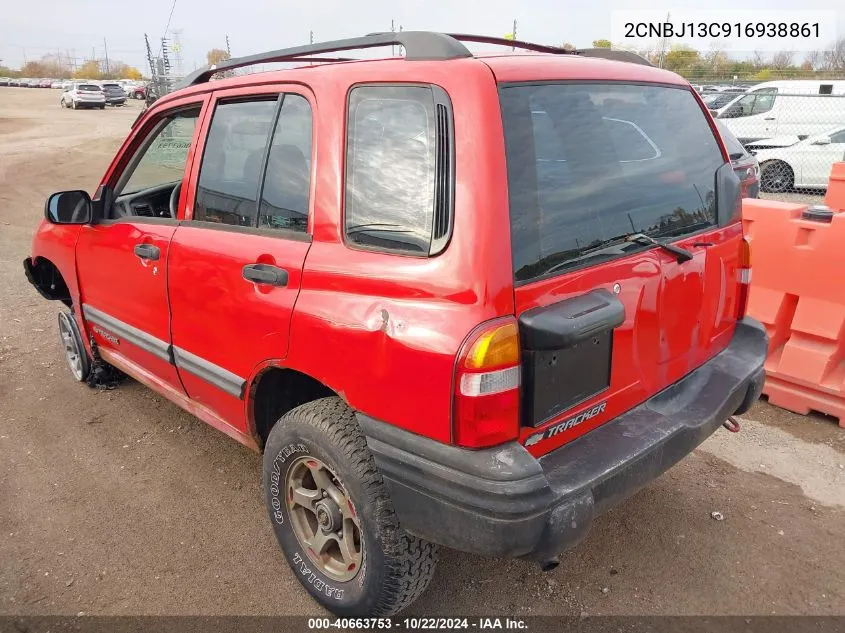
[[822, 140], [68, 207]]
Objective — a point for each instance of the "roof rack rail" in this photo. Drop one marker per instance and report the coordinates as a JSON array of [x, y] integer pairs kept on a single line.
[[419, 45], [614, 55], [603, 53], [502, 41]]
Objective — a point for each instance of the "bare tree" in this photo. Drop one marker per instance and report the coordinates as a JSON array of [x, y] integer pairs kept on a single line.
[[814, 60], [568, 46], [782, 60], [716, 58], [834, 58], [758, 60]]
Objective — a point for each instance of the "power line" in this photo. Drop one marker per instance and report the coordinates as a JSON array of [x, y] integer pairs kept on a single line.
[[167, 28]]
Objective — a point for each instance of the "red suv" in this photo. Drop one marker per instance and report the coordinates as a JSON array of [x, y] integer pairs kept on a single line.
[[455, 300]]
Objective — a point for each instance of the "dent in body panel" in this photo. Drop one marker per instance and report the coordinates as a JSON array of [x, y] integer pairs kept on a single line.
[[390, 356]]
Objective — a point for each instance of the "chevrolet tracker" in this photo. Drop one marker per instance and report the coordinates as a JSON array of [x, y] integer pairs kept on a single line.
[[456, 300]]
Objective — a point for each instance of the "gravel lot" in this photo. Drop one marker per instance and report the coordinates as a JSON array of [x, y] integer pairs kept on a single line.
[[119, 503]]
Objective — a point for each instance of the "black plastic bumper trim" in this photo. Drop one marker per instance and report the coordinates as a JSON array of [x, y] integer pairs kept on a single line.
[[211, 373], [139, 338], [504, 502]]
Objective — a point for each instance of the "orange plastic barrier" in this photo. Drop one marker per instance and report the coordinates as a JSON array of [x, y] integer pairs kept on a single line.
[[798, 293]]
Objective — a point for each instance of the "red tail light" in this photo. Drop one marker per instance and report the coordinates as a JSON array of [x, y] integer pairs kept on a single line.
[[487, 374], [744, 276]]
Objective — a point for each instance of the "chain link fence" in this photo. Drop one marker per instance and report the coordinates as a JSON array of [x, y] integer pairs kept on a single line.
[[795, 138]]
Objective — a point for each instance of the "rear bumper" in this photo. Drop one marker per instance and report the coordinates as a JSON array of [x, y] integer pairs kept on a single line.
[[504, 502]]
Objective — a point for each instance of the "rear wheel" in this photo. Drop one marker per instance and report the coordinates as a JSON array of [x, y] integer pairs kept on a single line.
[[333, 517], [75, 352], [776, 176]]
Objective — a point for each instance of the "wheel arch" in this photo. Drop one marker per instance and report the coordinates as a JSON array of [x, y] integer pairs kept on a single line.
[[48, 280], [275, 390]]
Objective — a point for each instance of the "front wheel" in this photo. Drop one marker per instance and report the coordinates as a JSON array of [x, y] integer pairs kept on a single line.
[[333, 517], [75, 352]]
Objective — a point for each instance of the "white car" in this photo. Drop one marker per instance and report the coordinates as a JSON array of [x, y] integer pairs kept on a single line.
[[805, 163], [84, 95]]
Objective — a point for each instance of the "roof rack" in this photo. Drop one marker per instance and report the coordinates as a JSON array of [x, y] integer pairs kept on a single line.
[[419, 45], [614, 55], [603, 53]]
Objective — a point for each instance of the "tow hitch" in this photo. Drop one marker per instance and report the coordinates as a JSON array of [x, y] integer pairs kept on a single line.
[[731, 425]]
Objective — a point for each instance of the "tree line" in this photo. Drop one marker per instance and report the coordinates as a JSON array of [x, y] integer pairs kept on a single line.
[[56, 66], [717, 65]]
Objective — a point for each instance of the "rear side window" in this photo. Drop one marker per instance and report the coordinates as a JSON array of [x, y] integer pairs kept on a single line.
[[287, 181], [227, 191], [398, 168], [591, 163]]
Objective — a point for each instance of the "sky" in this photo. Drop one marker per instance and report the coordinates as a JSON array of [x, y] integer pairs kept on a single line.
[[86, 27]]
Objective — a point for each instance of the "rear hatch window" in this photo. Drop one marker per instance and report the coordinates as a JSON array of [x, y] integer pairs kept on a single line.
[[88, 88], [591, 163]]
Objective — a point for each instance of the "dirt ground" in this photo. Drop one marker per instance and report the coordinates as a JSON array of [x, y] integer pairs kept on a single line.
[[120, 503]]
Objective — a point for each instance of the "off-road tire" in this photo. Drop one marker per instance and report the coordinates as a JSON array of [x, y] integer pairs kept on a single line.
[[396, 567]]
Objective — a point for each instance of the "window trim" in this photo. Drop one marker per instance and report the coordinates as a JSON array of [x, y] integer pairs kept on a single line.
[[256, 93], [265, 159], [245, 98], [439, 97], [138, 150]]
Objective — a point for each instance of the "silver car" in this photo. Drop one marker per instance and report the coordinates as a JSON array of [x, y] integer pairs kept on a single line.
[[84, 95]]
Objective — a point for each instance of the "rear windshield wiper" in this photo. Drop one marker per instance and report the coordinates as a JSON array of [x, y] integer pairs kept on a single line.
[[682, 255], [619, 246], [606, 248]]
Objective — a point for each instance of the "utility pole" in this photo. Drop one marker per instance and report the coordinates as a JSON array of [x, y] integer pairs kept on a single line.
[[311, 37], [150, 59], [663, 43], [228, 50], [106, 49], [513, 48], [392, 30]]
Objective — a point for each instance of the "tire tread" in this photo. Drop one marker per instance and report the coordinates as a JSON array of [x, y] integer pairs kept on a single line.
[[410, 561]]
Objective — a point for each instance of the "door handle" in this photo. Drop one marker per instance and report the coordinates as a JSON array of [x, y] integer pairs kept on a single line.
[[769, 118], [265, 274], [147, 251]]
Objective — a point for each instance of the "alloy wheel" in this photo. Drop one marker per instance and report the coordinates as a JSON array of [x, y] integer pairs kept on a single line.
[[324, 519]]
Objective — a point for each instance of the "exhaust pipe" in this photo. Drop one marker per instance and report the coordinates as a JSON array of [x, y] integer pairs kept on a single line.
[[550, 563], [731, 425]]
